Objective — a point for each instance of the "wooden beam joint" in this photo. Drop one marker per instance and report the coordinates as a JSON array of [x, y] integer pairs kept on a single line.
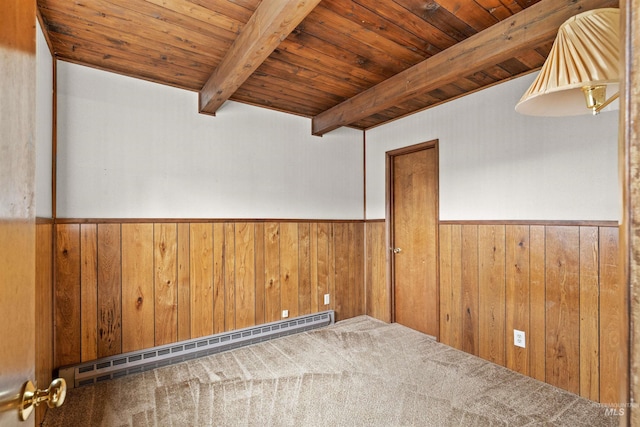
[[271, 23]]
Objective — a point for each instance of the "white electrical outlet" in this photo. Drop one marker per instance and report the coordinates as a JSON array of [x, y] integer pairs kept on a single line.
[[285, 314], [326, 299], [518, 338]]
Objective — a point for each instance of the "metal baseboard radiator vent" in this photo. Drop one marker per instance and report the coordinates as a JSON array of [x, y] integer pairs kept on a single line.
[[144, 360]]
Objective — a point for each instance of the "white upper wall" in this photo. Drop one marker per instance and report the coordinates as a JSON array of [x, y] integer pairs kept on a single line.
[[496, 164], [128, 148], [44, 120], [133, 149]]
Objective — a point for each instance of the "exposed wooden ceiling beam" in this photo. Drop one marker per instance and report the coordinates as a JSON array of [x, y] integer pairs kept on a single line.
[[498, 43], [271, 23]]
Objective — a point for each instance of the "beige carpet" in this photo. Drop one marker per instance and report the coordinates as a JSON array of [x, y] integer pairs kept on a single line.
[[358, 372]]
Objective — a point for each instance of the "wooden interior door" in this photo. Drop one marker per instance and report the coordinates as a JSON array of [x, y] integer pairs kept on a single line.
[[17, 222], [414, 237]]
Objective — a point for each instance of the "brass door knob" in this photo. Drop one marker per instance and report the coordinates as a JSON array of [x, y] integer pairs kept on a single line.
[[397, 250], [32, 397]]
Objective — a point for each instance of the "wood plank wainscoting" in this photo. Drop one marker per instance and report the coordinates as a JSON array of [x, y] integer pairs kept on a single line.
[[125, 285], [556, 281], [377, 279]]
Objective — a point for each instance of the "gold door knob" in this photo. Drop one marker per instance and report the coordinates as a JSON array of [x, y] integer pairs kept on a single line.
[[397, 250], [32, 397]]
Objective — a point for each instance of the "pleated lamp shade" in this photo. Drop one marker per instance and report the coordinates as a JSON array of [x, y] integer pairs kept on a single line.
[[585, 54]]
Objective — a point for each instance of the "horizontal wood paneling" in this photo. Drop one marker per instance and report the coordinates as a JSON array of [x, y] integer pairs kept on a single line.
[[557, 283], [131, 285]]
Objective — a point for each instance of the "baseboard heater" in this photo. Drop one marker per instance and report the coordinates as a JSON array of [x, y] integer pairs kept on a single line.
[[144, 360]]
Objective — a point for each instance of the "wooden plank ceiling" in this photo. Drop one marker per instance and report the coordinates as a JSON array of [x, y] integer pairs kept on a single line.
[[323, 59]]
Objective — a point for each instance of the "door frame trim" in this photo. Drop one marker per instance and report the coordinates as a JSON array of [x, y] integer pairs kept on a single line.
[[389, 238]]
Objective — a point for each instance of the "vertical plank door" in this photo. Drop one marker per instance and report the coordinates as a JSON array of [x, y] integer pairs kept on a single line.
[[414, 212]]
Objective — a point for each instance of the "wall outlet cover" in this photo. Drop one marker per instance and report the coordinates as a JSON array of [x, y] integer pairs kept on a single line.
[[285, 314], [519, 338], [326, 299]]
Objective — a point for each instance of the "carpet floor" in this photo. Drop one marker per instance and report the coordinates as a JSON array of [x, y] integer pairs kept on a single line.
[[357, 372]]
